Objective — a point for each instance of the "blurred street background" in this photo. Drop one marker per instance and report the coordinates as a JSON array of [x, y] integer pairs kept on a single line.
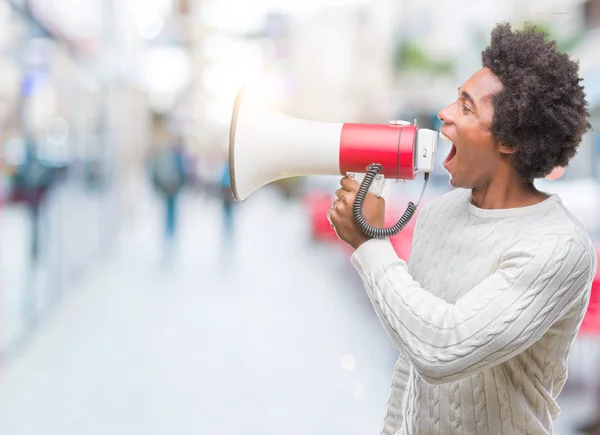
[[135, 296]]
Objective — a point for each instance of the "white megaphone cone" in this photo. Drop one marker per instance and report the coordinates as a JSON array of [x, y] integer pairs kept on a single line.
[[265, 146]]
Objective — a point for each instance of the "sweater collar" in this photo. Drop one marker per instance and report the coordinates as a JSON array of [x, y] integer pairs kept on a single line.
[[501, 213]]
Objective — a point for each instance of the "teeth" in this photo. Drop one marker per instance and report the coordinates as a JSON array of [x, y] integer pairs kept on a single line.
[[444, 137]]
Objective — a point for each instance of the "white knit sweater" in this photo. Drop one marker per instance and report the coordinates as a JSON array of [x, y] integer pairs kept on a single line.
[[484, 315]]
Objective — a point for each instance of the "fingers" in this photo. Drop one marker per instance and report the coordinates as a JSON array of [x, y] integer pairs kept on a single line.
[[329, 218], [348, 190], [343, 197], [340, 195], [331, 222], [349, 185]]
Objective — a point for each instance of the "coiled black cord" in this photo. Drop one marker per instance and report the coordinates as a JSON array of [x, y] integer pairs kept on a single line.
[[380, 233]]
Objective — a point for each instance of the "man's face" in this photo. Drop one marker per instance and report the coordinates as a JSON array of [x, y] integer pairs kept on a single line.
[[475, 154]]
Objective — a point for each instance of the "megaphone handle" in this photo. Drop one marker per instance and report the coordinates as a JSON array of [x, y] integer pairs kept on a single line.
[[377, 185], [380, 233]]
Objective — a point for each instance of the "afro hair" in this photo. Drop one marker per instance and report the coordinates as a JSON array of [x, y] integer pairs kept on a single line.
[[541, 109]]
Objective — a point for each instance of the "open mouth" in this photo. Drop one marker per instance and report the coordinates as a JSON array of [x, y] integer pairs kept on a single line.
[[452, 152], [451, 155]]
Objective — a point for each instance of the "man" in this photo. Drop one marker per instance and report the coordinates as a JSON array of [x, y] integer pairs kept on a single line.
[[499, 275]]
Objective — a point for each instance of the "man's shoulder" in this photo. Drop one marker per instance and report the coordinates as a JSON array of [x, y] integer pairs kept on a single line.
[[560, 225], [560, 221]]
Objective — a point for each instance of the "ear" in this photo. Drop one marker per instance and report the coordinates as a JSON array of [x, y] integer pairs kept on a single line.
[[555, 174], [507, 150]]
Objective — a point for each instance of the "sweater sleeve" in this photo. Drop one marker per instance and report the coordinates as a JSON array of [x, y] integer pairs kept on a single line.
[[536, 280], [380, 314]]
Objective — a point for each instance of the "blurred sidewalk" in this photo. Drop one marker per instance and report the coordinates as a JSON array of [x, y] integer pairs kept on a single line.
[[271, 335]]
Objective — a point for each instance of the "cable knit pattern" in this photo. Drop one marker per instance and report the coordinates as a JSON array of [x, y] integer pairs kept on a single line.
[[417, 398], [455, 416], [478, 386], [409, 417], [434, 422], [484, 313], [504, 399]]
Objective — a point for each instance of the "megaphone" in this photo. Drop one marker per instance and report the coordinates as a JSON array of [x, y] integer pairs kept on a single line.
[[266, 146]]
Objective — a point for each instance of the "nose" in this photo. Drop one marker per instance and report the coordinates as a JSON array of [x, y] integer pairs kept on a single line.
[[445, 115]]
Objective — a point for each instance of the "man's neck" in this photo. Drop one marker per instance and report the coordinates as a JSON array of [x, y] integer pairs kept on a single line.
[[506, 195]]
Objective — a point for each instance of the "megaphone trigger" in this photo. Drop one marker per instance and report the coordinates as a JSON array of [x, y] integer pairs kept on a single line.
[[376, 186]]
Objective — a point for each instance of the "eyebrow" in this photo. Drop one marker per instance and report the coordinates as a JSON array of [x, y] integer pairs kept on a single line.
[[467, 97]]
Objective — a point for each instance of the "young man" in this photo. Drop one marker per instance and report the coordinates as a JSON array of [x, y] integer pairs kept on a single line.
[[499, 276]]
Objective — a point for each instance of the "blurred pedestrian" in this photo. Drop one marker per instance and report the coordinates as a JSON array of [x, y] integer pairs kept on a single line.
[[32, 181], [227, 202], [167, 171]]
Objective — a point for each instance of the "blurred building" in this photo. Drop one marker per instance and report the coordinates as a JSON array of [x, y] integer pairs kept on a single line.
[[76, 99], [340, 61]]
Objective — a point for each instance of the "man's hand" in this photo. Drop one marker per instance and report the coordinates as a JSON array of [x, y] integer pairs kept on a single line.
[[341, 217]]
